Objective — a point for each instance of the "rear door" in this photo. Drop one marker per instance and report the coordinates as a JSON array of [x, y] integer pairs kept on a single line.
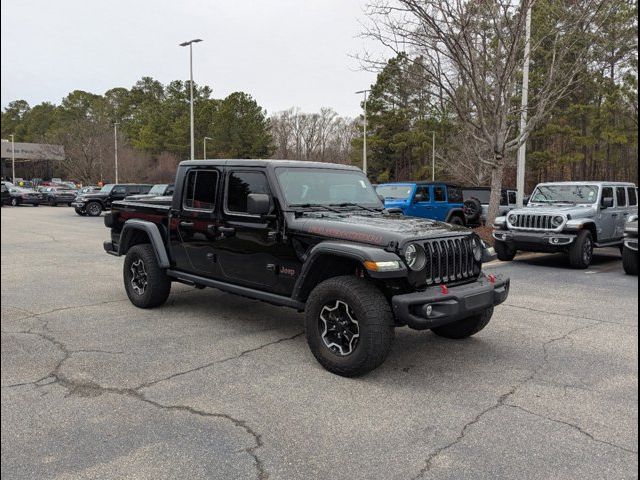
[[440, 202], [622, 211], [197, 222]]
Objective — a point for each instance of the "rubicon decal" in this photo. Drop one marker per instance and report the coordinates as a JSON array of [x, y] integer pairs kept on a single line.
[[347, 235]]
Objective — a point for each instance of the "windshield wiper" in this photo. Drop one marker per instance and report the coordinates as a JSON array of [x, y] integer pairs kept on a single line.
[[314, 205], [350, 204]]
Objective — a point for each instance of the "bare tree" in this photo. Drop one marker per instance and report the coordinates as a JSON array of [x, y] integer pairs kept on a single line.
[[472, 56]]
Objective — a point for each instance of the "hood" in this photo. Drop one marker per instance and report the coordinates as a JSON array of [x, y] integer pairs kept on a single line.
[[97, 195], [373, 229], [570, 211], [395, 203]]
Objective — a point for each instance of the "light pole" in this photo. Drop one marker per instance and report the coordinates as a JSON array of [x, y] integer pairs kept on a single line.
[[190, 45], [364, 137], [433, 155], [13, 159], [115, 138], [204, 155], [522, 151]]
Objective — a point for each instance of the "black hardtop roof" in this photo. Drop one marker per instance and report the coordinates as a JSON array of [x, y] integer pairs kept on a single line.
[[448, 184], [266, 163]]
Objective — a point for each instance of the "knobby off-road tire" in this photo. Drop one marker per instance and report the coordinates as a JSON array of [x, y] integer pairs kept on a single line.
[[581, 252], [93, 209], [146, 283], [358, 300], [80, 212], [505, 252], [630, 261], [466, 327], [15, 202]]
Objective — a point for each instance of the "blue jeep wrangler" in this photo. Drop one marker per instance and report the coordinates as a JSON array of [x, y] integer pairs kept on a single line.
[[437, 201]]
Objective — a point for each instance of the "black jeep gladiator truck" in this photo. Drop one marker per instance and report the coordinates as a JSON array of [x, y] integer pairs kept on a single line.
[[94, 203], [314, 237]]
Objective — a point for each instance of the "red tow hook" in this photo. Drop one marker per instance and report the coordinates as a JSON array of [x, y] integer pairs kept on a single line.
[[444, 290], [492, 278]]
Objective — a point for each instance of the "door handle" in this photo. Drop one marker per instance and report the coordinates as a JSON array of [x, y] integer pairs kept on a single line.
[[614, 215], [227, 231], [211, 229], [187, 224]]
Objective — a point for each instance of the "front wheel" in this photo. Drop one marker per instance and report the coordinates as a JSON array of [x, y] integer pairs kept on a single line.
[[466, 327], [348, 325], [581, 252], [94, 209], [15, 202], [52, 203], [80, 212], [505, 252], [147, 285], [630, 261]]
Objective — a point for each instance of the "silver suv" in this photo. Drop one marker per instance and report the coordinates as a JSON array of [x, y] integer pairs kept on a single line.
[[570, 217]]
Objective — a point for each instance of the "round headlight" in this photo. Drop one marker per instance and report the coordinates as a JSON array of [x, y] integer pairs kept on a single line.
[[513, 219], [415, 256], [557, 220], [476, 245]]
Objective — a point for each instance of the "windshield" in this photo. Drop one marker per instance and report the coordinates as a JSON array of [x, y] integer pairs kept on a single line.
[[158, 189], [321, 186], [565, 194], [395, 192], [107, 188]]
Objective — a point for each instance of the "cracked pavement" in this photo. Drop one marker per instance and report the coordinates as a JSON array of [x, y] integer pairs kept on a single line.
[[216, 386]]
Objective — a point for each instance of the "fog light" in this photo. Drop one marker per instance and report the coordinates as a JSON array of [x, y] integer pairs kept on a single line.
[[429, 310], [555, 240]]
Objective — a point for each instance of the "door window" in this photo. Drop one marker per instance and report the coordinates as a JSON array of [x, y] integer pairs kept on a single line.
[[607, 192], [134, 190], [200, 191], [439, 194], [513, 199], [455, 195], [621, 194], [119, 190], [424, 193], [633, 196], [240, 185]]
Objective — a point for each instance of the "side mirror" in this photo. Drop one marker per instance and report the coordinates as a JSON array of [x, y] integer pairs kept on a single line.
[[607, 202], [258, 204], [381, 197]]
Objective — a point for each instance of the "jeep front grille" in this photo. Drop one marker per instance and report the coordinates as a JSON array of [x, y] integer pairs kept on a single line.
[[449, 260], [533, 222]]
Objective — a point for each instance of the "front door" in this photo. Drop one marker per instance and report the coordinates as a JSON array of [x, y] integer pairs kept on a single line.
[[117, 193], [440, 205], [608, 217], [248, 246], [421, 205], [197, 223]]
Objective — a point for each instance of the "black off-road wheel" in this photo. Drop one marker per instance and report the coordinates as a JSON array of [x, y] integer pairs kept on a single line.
[[15, 202], [93, 209], [581, 252], [457, 221], [466, 327], [630, 261], [80, 212], [349, 325], [505, 252], [146, 283]]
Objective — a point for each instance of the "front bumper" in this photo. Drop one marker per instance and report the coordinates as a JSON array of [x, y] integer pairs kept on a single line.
[[535, 240], [458, 303], [78, 205]]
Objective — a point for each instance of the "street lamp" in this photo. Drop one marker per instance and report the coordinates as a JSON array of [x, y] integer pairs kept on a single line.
[[115, 138], [190, 45], [13, 159], [204, 155], [364, 126], [433, 155]]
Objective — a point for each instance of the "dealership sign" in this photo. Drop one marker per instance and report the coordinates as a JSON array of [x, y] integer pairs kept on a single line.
[[32, 151]]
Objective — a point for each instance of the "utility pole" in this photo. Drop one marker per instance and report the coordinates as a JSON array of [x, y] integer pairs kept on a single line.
[[433, 156], [522, 151], [13, 159], [204, 155], [190, 45], [115, 139], [364, 126]]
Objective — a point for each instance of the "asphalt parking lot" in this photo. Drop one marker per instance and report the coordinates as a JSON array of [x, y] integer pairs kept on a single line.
[[216, 386]]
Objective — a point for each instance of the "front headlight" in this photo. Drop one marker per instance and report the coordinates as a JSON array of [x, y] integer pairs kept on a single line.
[[415, 256], [477, 247], [557, 220], [513, 218]]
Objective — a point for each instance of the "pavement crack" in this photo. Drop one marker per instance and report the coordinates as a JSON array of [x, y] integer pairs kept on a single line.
[[574, 426], [569, 315]]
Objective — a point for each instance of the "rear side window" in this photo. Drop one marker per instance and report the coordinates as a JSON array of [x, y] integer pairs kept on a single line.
[[201, 188], [621, 194], [455, 195], [240, 185], [513, 198], [439, 194], [633, 196], [134, 190]]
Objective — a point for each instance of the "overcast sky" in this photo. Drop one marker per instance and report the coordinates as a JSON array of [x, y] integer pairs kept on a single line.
[[283, 52]]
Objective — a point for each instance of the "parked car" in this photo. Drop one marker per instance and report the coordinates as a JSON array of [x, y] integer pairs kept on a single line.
[[25, 196], [6, 197], [159, 190], [54, 196], [93, 204], [476, 203], [314, 237], [435, 201], [570, 217], [630, 249]]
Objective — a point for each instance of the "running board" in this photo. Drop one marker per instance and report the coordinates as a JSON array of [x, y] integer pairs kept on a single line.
[[237, 290], [609, 244]]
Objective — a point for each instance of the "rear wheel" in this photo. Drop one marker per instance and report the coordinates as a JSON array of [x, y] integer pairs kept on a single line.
[[52, 202], [581, 252], [466, 327], [147, 285], [457, 221], [93, 209], [630, 261], [348, 325], [505, 252]]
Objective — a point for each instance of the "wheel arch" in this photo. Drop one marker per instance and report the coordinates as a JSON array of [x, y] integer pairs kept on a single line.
[[456, 212], [135, 232], [591, 226]]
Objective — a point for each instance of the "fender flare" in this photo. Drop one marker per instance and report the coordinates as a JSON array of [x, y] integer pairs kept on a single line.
[[359, 253], [453, 213], [155, 237]]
